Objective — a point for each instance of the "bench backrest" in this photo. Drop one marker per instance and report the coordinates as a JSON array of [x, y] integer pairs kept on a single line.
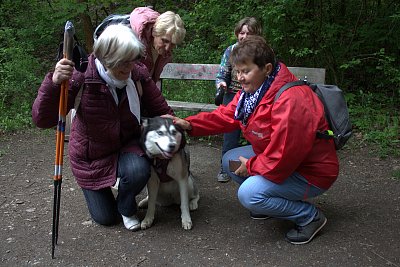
[[185, 71], [208, 72]]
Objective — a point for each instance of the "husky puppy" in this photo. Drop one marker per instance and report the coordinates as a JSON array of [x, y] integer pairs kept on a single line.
[[171, 181]]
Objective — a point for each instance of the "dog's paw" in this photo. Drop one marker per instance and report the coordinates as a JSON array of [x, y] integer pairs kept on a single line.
[[193, 205], [146, 223], [187, 224]]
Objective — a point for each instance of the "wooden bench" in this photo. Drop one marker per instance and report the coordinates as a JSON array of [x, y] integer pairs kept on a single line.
[[208, 72]]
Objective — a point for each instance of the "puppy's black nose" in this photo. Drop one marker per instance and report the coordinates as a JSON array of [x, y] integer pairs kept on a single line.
[[172, 147]]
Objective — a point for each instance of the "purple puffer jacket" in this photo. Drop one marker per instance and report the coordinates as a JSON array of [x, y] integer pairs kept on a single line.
[[100, 129], [142, 20]]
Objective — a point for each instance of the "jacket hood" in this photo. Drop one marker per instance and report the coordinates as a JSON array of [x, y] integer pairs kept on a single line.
[[142, 20]]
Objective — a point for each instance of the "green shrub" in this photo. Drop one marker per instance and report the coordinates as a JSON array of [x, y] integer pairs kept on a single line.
[[21, 76], [376, 120], [356, 42]]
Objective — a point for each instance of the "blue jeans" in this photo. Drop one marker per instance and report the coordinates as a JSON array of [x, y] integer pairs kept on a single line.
[[134, 172], [283, 201], [231, 140]]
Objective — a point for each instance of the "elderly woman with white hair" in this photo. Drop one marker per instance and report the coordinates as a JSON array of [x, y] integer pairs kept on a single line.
[[104, 139]]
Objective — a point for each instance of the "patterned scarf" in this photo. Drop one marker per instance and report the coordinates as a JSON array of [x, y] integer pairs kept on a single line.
[[249, 101]]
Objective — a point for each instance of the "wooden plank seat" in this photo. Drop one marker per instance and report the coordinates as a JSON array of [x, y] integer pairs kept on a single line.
[[208, 72]]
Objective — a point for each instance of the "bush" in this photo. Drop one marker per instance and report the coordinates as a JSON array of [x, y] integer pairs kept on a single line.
[[376, 121], [21, 75]]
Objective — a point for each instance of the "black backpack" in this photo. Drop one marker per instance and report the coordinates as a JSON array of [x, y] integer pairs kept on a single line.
[[79, 55], [110, 20], [336, 111]]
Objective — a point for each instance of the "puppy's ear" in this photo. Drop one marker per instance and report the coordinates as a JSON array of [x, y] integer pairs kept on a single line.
[[183, 136]]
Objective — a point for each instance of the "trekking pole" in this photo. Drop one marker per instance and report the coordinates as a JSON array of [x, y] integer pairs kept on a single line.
[[62, 110]]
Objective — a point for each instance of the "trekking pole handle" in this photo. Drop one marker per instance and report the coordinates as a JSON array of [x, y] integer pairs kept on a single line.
[[69, 33]]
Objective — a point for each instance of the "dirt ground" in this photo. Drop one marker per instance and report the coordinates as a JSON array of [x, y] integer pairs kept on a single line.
[[363, 211]]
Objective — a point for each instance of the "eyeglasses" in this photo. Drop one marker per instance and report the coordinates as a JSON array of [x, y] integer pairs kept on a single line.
[[129, 62]]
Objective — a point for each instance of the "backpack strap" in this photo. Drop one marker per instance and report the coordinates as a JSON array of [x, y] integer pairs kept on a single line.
[[139, 88], [328, 134], [78, 97], [287, 86], [77, 102]]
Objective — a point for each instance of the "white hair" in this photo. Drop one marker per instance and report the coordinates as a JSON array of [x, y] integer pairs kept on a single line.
[[117, 43]]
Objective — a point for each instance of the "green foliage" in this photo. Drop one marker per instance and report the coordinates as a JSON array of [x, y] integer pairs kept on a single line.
[[18, 86], [396, 174], [375, 119], [358, 42], [330, 34], [190, 91]]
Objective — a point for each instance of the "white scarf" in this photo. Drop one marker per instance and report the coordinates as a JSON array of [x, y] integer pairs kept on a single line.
[[133, 98]]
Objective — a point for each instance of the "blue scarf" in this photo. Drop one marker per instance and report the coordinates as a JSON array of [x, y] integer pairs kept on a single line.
[[249, 101]]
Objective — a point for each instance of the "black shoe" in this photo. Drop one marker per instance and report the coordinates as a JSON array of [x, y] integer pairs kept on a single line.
[[255, 216], [304, 234]]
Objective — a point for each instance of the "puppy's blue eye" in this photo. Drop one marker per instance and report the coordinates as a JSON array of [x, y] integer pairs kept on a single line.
[[160, 132]]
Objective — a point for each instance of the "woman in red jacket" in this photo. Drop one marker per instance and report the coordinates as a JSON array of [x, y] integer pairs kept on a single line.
[[105, 132], [286, 163]]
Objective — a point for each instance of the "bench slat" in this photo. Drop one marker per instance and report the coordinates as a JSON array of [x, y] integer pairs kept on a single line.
[[191, 106], [182, 71]]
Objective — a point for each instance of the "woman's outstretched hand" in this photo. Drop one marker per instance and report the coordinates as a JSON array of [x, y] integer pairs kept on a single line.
[[184, 124]]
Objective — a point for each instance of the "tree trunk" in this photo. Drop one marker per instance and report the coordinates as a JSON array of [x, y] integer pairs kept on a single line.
[[87, 29]]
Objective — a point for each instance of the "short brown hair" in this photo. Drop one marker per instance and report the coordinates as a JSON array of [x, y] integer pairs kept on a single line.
[[255, 49], [252, 23]]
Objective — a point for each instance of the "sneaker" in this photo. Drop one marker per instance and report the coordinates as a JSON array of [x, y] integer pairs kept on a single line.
[[304, 234], [223, 177], [131, 223], [256, 216]]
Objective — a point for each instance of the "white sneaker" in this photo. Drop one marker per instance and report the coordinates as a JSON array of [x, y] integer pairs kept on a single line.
[[131, 223]]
